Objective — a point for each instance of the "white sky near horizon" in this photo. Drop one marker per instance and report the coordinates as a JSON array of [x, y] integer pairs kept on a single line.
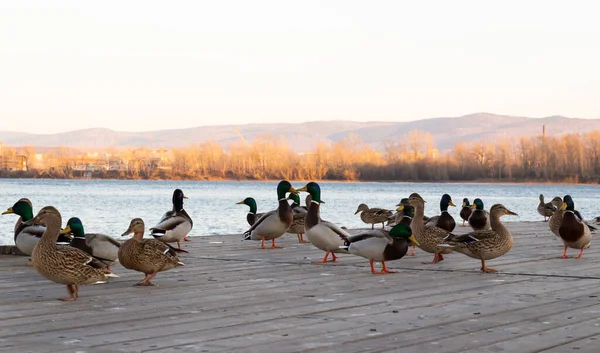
[[148, 65]]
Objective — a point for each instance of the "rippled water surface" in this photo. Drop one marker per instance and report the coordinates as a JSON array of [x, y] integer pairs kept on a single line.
[[107, 206]]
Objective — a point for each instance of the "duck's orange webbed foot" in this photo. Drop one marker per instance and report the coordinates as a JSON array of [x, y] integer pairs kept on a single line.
[[436, 258], [383, 271], [73, 289], [274, 246], [301, 239]]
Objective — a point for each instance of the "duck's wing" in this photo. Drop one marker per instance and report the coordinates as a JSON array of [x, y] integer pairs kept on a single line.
[[266, 215], [380, 212], [339, 231], [432, 221], [103, 247], [580, 219], [299, 210], [75, 258], [171, 220], [371, 233], [157, 249], [97, 239], [471, 237]]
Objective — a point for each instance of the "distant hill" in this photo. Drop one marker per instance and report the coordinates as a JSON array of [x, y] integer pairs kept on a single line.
[[304, 136]]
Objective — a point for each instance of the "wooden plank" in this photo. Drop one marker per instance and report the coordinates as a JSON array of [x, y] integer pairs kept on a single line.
[[233, 296]]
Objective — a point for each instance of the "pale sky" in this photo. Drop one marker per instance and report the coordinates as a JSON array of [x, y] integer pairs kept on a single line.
[[147, 65]]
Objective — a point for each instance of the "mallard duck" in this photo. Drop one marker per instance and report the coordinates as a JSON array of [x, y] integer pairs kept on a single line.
[[275, 223], [380, 245], [428, 237], [574, 232], [545, 209], [556, 219], [373, 215], [148, 256], [62, 264], [408, 212], [465, 211], [322, 234], [479, 218], [27, 236], [485, 244], [252, 216], [174, 225], [396, 217], [102, 247], [444, 220], [299, 213]]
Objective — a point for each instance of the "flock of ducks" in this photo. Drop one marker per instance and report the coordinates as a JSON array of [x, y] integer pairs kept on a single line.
[[72, 257], [88, 258]]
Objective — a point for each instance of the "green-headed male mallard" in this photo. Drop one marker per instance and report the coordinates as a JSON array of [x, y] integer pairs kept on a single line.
[[373, 215], [102, 247], [299, 213], [148, 256], [479, 218], [252, 216], [428, 237], [275, 223], [27, 236], [444, 220], [381, 245], [485, 244], [465, 211], [62, 264], [545, 209], [574, 232], [322, 234], [174, 225]]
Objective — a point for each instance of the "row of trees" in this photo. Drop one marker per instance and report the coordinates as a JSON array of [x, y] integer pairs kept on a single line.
[[572, 158]]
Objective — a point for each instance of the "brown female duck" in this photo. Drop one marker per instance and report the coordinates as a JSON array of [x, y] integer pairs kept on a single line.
[[148, 256], [63, 264], [428, 237], [485, 244], [373, 215]]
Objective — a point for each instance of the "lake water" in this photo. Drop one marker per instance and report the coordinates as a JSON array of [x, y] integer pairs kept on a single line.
[[107, 206]]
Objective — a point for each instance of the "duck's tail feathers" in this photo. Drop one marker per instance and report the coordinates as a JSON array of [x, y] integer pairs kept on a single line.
[[99, 282], [157, 233], [110, 275], [180, 263], [247, 235]]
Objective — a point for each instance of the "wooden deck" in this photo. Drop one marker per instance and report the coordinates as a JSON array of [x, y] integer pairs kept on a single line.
[[233, 296]]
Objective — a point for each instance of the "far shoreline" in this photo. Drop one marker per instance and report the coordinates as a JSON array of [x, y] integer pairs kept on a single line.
[[478, 181]]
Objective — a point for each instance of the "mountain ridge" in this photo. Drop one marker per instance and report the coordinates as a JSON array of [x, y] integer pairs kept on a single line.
[[446, 132]]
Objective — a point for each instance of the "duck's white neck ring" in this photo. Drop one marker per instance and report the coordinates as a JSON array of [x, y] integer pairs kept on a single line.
[[283, 199]]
